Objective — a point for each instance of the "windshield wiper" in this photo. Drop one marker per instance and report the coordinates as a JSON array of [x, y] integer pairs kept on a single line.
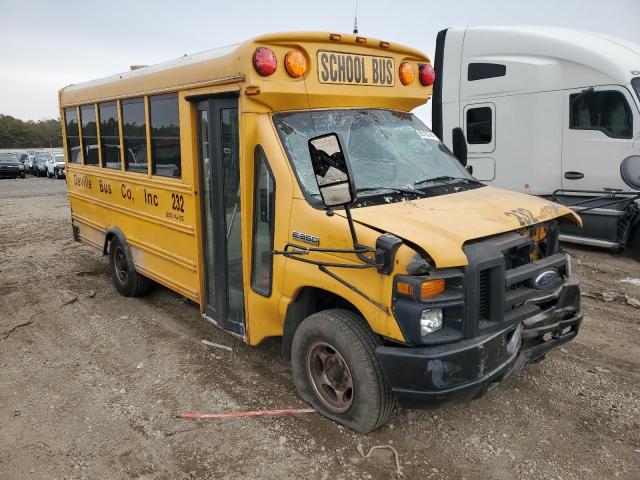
[[393, 189], [443, 178]]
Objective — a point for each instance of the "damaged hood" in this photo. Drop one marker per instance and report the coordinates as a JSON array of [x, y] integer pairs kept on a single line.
[[441, 225]]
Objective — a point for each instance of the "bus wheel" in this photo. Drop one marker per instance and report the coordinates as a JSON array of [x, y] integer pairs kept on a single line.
[[335, 370], [128, 282]]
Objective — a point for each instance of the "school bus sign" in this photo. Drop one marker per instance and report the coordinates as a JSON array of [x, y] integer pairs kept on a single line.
[[349, 69]]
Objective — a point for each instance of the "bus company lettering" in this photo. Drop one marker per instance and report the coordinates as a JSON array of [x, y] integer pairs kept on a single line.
[[104, 187], [126, 192], [81, 181], [150, 198], [350, 69]]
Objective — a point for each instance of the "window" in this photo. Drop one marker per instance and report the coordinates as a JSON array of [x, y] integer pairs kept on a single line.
[[109, 135], [387, 150], [604, 110], [165, 135], [480, 71], [73, 137], [263, 222], [89, 134], [479, 127], [134, 135], [636, 86]]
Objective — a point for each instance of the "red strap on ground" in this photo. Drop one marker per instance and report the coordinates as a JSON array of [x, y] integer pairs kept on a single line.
[[257, 413]]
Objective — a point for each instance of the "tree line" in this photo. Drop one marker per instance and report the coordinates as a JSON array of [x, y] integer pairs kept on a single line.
[[16, 133]]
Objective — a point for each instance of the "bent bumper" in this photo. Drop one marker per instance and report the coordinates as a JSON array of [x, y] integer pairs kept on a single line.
[[428, 377]]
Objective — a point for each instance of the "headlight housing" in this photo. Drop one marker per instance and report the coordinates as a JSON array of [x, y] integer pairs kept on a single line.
[[430, 321]]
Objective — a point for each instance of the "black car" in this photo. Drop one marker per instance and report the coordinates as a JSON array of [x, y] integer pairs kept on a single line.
[[10, 166], [40, 165]]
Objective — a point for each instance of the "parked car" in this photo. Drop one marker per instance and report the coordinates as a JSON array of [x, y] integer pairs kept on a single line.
[[29, 163], [40, 165], [10, 166], [55, 165]]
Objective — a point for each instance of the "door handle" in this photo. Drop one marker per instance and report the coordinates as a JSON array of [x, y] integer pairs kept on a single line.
[[573, 175]]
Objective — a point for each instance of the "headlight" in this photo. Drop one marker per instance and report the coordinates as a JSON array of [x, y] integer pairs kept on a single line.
[[430, 321]]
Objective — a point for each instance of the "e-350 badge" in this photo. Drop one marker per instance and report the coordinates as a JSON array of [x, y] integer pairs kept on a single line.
[[306, 238]]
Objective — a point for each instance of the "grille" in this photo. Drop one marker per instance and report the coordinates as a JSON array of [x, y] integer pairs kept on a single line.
[[483, 295]]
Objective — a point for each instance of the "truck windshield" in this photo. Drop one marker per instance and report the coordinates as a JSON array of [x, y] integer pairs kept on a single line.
[[389, 151]]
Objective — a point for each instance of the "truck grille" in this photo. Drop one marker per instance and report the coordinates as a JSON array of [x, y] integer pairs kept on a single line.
[[499, 281]]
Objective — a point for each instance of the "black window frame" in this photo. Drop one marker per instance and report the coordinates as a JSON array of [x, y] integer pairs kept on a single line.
[[85, 151], [123, 103], [482, 71], [260, 158], [153, 138], [601, 129], [76, 136], [112, 103], [469, 110]]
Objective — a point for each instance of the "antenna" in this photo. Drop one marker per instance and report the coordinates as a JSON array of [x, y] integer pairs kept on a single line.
[[355, 18]]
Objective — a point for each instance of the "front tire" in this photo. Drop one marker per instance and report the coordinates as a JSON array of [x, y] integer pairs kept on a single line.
[[127, 281], [335, 370]]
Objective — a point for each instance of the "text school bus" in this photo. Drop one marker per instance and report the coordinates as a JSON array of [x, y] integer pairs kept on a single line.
[[283, 185]]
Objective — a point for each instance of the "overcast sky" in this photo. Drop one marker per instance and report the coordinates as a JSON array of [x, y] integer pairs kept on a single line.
[[45, 45]]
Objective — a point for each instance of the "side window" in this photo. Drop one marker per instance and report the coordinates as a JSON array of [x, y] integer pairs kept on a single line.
[[134, 134], [73, 134], [109, 135], [604, 110], [264, 199], [480, 71], [479, 125], [89, 134], [165, 135]]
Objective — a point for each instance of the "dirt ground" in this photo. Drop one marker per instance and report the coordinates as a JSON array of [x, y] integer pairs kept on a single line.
[[91, 382]]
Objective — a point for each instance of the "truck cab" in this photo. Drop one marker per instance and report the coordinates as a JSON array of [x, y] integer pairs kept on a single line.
[[550, 112]]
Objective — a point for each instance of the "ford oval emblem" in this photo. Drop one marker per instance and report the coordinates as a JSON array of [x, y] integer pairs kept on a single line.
[[546, 279]]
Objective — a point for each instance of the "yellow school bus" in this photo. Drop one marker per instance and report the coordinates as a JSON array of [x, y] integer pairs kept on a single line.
[[284, 186]]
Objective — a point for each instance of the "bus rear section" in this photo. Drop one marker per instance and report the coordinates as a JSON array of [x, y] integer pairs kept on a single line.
[[284, 185]]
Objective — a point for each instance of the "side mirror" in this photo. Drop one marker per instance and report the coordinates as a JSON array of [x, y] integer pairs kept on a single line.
[[331, 170], [630, 171], [459, 145]]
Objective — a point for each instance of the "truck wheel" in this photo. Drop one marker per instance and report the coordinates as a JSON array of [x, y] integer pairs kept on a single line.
[[128, 282], [335, 370], [634, 242]]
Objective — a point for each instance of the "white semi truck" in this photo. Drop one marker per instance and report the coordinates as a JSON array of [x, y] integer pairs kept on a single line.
[[547, 111]]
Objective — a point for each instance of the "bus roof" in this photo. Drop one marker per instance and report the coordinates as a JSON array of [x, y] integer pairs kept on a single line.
[[233, 65]]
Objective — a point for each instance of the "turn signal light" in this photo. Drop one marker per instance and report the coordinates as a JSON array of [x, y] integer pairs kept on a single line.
[[428, 289], [295, 63], [426, 74], [264, 61], [431, 288], [407, 73]]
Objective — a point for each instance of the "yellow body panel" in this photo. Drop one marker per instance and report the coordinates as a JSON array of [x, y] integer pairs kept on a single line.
[[167, 245]]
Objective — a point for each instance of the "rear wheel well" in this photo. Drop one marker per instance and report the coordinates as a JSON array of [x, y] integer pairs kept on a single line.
[[308, 301]]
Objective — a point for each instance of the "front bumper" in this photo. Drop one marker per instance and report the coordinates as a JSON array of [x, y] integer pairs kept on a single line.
[[428, 377]]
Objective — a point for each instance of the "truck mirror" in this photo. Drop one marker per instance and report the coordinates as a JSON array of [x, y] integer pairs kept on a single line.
[[630, 171], [459, 145], [331, 170]]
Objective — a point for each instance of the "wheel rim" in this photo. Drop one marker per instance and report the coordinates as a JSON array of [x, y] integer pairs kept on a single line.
[[120, 264], [330, 377]]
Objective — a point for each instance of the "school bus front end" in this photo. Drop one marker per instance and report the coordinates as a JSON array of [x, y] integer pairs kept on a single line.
[[319, 209]]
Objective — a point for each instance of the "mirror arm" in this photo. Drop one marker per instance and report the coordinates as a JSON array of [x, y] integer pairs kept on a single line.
[[357, 247]]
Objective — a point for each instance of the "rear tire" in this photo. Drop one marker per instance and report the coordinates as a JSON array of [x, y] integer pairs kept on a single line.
[[127, 281], [335, 369]]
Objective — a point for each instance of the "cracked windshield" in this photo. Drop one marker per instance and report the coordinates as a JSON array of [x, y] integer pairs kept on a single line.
[[389, 152]]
